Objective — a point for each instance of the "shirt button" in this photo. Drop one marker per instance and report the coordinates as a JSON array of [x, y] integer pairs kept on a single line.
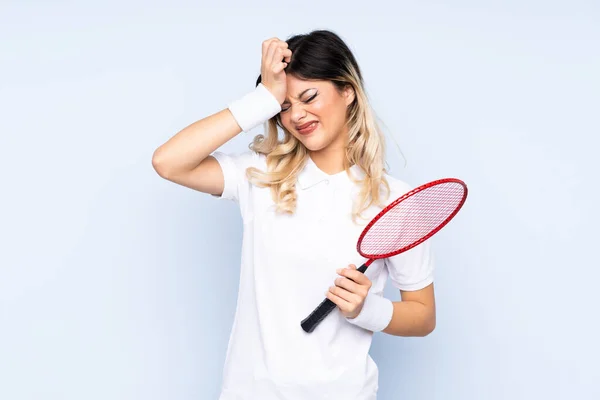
[[327, 182]]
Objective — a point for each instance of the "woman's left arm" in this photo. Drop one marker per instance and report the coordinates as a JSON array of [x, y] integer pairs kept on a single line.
[[415, 314]]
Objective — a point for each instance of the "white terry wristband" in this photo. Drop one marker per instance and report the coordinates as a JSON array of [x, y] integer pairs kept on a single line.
[[254, 108], [375, 315]]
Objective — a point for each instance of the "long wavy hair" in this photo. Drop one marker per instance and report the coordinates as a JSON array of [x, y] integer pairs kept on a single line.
[[323, 55]]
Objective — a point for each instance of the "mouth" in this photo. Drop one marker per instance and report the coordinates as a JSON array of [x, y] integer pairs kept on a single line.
[[307, 128]]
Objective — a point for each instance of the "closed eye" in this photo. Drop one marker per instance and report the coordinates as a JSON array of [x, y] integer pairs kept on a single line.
[[287, 106]]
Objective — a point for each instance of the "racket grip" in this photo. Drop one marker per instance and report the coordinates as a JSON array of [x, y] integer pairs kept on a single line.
[[310, 323]]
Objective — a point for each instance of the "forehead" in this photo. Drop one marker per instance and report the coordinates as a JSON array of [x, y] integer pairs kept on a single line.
[[295, 86]]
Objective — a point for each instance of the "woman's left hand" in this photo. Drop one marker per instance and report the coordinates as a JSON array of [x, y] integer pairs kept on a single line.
[[350, 291]]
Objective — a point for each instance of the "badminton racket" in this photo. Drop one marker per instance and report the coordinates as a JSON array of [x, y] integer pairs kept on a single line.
[[405, 223]]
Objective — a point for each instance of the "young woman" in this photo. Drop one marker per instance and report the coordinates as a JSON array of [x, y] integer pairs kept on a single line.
[[304, 196]]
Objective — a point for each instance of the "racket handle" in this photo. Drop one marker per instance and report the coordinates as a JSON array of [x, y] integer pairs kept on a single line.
[[310, 323]]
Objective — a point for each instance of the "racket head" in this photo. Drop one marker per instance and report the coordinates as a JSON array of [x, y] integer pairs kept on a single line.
[[412, 218]]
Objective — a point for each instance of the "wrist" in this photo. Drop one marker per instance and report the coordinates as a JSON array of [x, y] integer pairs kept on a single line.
[[254, 108], [375, 315]]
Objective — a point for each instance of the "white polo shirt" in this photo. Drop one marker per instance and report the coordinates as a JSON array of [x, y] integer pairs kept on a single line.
[[288, 262]]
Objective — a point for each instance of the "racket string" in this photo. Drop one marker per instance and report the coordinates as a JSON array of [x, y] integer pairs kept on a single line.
[[412, 219]]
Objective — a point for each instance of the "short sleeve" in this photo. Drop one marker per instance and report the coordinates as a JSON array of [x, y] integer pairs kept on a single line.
[[413, 269], [236, 185]]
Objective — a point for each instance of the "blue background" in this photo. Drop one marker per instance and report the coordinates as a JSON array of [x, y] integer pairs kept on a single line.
[[116, 284]]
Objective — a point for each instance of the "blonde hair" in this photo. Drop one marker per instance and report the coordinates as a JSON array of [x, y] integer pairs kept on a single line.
[[287, 156]]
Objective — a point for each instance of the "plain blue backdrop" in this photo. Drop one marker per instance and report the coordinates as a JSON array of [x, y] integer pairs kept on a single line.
[[116, 284]]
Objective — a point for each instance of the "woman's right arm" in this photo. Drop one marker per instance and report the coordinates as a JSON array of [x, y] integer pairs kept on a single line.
[[185, 158]]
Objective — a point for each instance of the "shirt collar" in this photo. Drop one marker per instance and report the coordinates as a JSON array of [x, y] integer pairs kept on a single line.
[[312, 175]]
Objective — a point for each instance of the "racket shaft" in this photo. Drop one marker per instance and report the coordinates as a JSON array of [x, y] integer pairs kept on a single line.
[[310, 323]]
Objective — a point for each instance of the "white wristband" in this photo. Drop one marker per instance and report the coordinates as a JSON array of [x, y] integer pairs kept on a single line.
[[254, 108], [375, 315]]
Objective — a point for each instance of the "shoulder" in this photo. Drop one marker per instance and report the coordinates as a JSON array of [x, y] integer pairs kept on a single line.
[[398, 187], [242, 160]]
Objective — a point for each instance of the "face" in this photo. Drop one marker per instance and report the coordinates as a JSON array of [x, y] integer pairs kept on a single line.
[[318, 102]]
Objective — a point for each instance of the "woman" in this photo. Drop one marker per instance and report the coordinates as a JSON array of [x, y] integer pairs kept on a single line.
[[304, 199]]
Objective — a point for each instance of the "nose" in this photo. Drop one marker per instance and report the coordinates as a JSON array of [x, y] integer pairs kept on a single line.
[[297, 112]]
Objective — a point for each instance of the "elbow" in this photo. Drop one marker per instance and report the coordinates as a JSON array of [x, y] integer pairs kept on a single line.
[[428, 326], [158, 164]]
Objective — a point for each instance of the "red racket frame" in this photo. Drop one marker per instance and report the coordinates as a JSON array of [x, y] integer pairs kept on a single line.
[[395, 203]]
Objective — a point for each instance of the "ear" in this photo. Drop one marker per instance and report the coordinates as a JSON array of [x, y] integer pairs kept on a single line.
[[349, 95]]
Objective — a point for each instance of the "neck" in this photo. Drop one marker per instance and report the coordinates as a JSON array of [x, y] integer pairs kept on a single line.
[[330, 161]]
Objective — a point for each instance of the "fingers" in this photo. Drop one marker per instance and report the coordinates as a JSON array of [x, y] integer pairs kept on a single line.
[[350, 290], [274, 52], [268, 54], [277, 61], [349, 304], [287, 55], [352, 273], [277, 56], [343, 304], [348, 285], [345, 294], [274, 48]]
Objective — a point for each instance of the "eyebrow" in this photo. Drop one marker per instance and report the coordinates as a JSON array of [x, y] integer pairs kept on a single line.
[[300, 95]]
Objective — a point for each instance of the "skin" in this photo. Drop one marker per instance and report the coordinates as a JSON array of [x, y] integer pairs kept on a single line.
[[304, 101]]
